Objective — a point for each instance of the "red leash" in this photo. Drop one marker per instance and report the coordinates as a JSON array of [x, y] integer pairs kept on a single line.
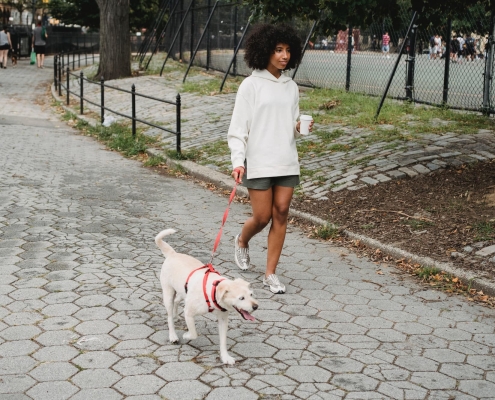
[[209, 266]]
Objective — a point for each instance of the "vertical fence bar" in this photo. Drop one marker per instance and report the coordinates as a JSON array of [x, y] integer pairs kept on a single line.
[[133, 105], [234, 67], [67, 88], [102, 99], [81, 97], [55, 75], [181, 32], [73, 61], [191, 39], [79, 59], [349, 58], [63, 62], [446, 74], [411, 64], [60, 78], [487, 81], [178, 133], [208, 37]]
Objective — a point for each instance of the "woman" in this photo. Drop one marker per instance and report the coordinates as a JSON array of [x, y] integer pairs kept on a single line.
[[39, 44], [5, 46], [262, 137]]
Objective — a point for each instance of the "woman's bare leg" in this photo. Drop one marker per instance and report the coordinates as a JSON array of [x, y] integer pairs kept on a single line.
[[261, 203], [282, 197]]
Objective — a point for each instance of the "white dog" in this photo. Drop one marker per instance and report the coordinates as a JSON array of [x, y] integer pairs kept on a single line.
[[205, 292]]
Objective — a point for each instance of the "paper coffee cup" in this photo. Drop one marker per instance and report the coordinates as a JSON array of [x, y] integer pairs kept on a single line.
[[305, 121]]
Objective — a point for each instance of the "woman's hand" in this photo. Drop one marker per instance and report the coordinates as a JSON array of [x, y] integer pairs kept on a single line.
[[237, 174], [310, 126]]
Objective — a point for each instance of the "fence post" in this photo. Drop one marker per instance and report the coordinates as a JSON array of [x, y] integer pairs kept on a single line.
[[81, 77], [63, 61], [234, 67], [79, 59], [178, 104], [73, 61], [133, 104], [67, 88], [446, 74], [60, 78], [191, 39], [55, 75], [208, 37], [349, 57], [487, 81], [102, 97], [411, 60]]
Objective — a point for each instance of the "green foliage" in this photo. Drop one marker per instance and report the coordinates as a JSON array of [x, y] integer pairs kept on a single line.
[[192, 155], [327, 231], [426, 272], [153, 161], [484, 230]]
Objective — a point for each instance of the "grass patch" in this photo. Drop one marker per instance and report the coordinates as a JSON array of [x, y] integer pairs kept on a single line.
[[327, 232], [359, 110], [211, 86], [484, 231], [362, 160], [330, 136], [425, 273], [117, 137], [153, 161], [192, 155], [417, 224]]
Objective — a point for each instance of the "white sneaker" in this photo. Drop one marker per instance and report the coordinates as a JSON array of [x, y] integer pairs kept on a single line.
[[275, 285], [241, 254]]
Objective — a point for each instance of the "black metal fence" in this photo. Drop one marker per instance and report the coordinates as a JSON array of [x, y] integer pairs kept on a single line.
[[62, 80], [455, 71]]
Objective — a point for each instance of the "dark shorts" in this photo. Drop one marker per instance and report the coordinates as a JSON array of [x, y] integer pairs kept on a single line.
[[39, 49], [5, 47], [267, 183]]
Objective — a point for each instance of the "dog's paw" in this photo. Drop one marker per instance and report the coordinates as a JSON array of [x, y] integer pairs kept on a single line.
[[228, 360], [188, 336], [174, 339]]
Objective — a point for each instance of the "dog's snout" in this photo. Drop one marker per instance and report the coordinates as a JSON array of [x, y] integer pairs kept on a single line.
[[255, 306]]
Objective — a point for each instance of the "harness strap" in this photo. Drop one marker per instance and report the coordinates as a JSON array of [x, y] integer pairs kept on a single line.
[[189, 276], [209, 268], [214, 294]]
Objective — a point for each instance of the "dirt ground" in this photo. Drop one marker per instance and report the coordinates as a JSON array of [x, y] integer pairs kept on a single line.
[[448, 215]]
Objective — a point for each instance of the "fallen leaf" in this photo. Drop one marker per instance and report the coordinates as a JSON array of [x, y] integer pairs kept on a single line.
[[379, 272]]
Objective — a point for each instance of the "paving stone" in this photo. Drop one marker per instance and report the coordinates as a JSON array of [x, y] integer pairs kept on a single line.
[[96, 359], [408, 171], [139, 385], [53, 371], [16, 365], [15, 384], [180, 371], [95, 378], [355, 382], [308, 374], [92, 394], [52, 390], [487, 251], [481, 388], [225, 393], [185, 390]]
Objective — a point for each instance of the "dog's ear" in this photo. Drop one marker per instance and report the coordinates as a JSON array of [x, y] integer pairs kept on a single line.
[[222, 289]]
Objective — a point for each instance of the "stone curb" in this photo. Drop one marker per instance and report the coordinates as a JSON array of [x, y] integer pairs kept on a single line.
[[219, 179]]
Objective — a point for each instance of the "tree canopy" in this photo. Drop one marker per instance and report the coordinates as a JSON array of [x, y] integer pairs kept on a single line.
[[86, 12], [337, 14]]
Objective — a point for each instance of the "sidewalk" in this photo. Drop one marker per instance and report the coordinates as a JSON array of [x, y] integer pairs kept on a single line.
[[81, 314]]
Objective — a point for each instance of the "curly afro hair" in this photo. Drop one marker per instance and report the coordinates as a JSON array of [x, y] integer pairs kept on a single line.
[[262, 41]]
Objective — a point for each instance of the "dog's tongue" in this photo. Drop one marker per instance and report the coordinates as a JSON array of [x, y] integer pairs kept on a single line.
[[247, 316]]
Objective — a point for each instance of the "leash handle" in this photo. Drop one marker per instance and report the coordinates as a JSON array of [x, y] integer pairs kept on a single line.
[[224, 219]]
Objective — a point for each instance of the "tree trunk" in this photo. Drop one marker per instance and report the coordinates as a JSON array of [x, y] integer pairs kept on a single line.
[[115, 39]]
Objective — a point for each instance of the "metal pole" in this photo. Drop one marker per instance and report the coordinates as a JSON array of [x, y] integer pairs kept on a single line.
[[81, 97], [349, 58], [133, 104], [446, 74], [67, 88], [55, 71], [304, 47], [146, 44], [411, 66], [73, 61], [60, 78], [234, 67], [175, 37], [102, 99], [191, 39], [181, 32], [193, 56], [413, 19], [208, 35], [487, 81], [235, 52], [178, 133], [63, 62], [79, 59]]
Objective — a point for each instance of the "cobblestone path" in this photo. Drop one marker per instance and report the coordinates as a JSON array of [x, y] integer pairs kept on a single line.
[[81, 315]]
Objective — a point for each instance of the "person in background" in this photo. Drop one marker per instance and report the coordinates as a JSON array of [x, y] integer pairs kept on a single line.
[[5, 46], [386, 45], [262, 141], [39, 44]]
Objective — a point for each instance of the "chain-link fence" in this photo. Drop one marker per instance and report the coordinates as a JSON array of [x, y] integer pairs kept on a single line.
[[441, 65]]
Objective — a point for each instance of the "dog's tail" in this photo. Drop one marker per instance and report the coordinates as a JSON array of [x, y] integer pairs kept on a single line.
[[164, 246]]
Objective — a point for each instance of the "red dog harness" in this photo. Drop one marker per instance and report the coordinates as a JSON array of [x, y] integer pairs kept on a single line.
[[209, 266]]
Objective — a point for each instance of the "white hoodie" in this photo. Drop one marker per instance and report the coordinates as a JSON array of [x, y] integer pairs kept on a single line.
[[263, 126]]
